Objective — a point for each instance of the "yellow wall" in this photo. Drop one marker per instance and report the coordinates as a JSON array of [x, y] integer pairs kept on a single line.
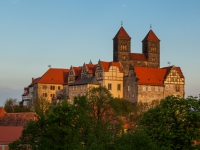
[[114, 77], [49, 91]]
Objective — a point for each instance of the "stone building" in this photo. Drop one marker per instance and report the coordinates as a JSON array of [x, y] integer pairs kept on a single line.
[[145, 84], [150, 56], [108, 74], [132, 76], [51, 86]]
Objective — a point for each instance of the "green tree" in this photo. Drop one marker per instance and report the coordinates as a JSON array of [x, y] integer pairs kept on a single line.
[[174, 124], [12, 106]]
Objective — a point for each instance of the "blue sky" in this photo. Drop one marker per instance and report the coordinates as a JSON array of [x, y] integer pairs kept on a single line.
[[35, 34]]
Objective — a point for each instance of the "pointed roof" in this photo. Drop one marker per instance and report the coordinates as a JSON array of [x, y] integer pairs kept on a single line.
[[107, 65], [122, 34], [151, 36], [178, 69], [150, 76], [53, 76], [91, 68]]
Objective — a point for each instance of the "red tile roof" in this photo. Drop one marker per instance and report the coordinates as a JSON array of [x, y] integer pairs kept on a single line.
[[136, 56], [122, 34], [154, 76], [178, 69], [34, 81], [53, 76], [77, 70], [150, 76], [9, 134], [151, 37], [91, 68], [17, 119], [2, 112], [26, 91], [107, 65]]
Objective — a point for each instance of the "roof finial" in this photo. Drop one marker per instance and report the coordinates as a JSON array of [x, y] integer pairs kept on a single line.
[[121, 23], [168, 63], [150, 26]]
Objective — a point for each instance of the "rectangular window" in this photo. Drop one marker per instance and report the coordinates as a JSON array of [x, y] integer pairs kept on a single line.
[[52, 87], [144, 88], [171, 87], [44, 87], [81, 87], [177, 88], [161, 89], [52, 95], [156, 88], [166, 87], [149, 88], [119, 87], [73, 87], [84, 87], [44, 94], [58, 87], [76, 88], [128, 88], [109, 86]]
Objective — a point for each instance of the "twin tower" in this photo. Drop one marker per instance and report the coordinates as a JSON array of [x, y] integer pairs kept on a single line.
[[150, 56]]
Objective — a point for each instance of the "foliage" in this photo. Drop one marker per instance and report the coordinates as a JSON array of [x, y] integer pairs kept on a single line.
[[41, 106], [87, 124], [134, 140], [12, 106], [174, 124]]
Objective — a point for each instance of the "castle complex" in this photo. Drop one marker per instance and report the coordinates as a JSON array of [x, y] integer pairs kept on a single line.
[[132, 76]]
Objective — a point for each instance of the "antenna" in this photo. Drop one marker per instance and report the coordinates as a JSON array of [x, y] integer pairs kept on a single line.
[[49, 66], [168, 63]]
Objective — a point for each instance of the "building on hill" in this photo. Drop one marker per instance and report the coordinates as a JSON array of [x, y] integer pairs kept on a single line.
[[150, 56], [132, 76], [108, 74], [52, 85], [145, 84]]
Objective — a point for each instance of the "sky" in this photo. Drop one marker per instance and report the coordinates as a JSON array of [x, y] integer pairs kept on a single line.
[[35, 34]]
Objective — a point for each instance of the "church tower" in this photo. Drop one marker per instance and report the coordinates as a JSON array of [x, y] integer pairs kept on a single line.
[[121, 46], [151, 49]]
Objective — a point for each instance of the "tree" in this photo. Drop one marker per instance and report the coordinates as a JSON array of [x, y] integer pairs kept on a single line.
[[134, 140], [41, 106], [174, 124], [12, 106]]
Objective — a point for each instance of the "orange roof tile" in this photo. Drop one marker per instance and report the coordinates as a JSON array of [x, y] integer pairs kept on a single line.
[[17, 119], [34, 81], [77, 70], [136, 56], [151, 37], [2, 112], [150, 76], [122, 34], [107, 65], [91, 68], [9, 134], [55, 76], [178, 69]]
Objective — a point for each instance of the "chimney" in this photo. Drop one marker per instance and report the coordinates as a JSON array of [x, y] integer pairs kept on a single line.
[[32, 80]]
